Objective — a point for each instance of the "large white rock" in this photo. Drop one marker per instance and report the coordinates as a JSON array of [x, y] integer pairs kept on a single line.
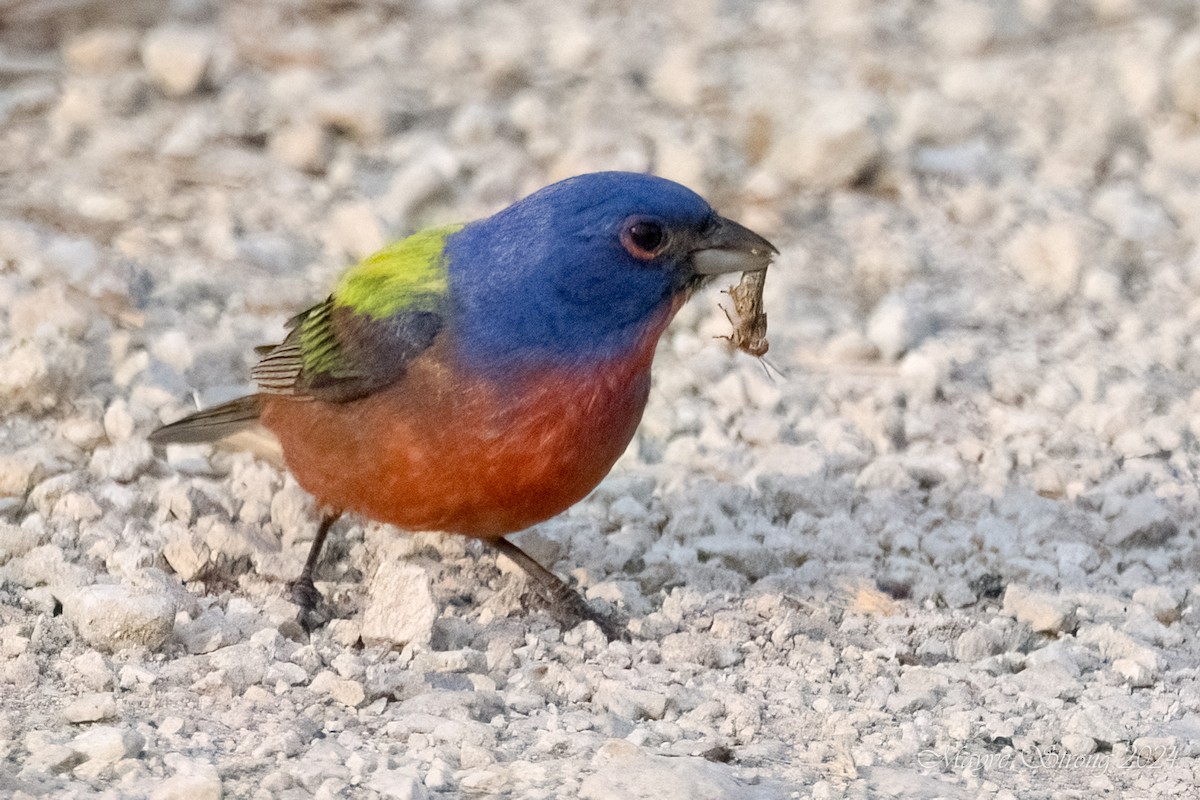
[[1049, 256], [833, 144], [193, 780], [113, 617], [396, 784], [1042, 612], [630, 703], [628, 773], [177, 58], [1184, 75], [106, 744], [401, 608], [91, 707]]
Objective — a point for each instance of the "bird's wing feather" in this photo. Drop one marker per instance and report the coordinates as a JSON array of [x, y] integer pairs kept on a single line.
[[211, 423], [384, 312]]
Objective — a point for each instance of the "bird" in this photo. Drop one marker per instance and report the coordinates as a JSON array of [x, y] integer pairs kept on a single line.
[[480, 378]]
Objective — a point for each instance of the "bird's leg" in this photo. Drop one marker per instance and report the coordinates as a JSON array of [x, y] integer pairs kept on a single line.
[[562, 597], [304, 593]]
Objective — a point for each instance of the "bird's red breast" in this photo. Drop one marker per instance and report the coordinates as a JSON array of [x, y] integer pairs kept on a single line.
[[449, 451]]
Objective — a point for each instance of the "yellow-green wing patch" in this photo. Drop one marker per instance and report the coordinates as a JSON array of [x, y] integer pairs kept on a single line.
[[383, 312], [408, 275]]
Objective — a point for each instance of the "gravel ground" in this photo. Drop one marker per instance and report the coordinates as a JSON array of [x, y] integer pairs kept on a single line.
[[945, 548]]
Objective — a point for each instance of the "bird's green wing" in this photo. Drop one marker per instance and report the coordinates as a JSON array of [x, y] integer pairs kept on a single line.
[[384, 312]]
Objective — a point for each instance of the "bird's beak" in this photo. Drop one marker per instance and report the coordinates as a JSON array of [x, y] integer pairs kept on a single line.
[[726, 246]]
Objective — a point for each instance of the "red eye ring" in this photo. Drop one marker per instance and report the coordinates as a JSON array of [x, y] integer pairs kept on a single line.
[[643, 238]]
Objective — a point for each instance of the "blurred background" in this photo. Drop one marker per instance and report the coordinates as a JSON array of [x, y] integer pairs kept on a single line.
[[973, 198]]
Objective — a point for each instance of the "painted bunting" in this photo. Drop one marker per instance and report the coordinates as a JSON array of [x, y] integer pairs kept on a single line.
[[480, 378]]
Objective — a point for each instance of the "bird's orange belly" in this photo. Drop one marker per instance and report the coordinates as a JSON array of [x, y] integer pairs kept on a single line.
[[435, 453]]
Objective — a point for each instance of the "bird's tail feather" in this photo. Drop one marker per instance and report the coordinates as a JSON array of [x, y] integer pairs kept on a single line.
[[211, 424]]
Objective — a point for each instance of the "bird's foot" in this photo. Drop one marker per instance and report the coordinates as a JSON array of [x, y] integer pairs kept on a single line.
[[563, 600], [569, 609], [613, 629], [305, 595]]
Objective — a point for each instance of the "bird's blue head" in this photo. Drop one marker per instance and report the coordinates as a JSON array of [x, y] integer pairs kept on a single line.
[[575, 272]]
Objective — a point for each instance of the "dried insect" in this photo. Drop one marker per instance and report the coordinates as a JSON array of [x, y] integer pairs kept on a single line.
[[748, 319]]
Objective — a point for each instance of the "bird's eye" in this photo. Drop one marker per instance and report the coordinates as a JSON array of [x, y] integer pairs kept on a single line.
[[643, 238]]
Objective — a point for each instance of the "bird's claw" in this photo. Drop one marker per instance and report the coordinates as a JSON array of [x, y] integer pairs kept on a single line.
[[579, 611], [613, 630], [305, 595]]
